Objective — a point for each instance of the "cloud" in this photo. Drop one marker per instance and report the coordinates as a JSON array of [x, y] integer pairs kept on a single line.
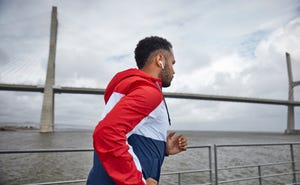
[[264, 76], [20, 107], [271, 55]]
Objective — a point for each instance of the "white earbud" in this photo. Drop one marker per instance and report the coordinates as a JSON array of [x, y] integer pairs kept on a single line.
[[162, 64]]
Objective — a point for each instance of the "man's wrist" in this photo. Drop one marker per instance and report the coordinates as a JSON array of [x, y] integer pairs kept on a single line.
[[150, 181]]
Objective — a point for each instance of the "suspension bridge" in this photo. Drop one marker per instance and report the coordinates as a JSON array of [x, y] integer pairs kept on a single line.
[[49, 89]]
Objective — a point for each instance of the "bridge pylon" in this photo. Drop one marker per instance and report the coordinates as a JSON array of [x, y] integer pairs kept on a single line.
[[47, 116], [291, 112]]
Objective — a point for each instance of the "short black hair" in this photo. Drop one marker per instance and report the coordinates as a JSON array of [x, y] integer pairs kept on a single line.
[[148, 45]]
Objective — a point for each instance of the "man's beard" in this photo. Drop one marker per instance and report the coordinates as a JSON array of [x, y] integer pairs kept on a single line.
[[165, 77], [166, 84], [165, 81]]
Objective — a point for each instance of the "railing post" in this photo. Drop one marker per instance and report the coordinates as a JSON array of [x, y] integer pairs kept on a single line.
[[210, 165], [293, 163], [216, 164], [179, 178], [259, 175]]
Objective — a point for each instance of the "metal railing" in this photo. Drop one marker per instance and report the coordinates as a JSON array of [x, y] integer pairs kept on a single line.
[[259, 177], [179, 174], [66, 150]]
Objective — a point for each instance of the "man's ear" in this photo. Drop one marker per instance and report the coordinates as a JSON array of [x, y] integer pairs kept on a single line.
[[159, 60], [161, 64]]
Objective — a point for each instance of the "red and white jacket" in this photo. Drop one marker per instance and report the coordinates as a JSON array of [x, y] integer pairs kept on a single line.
[[130, 139]]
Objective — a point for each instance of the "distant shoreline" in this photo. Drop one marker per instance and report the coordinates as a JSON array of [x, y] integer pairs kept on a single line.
[[17, 128]]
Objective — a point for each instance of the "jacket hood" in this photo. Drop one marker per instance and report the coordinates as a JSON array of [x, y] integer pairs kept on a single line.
[[119, 77]]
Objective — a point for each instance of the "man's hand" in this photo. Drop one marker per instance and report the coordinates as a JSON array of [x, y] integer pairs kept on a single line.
[[175, 144], [151, 181]]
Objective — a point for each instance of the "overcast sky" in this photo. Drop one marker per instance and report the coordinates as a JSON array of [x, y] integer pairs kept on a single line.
[[231, 47]]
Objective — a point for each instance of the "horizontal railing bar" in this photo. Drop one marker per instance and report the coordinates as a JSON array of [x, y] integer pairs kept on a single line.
[[84, 180], [187, 171], [76, 181], [58, 182], [44, 151], [91, 149], [203, 184], [256, 177], [237, 180], [255, 166], [197, 147], [69, 150], [234, 180], [256, 144], [280, 174], [97, 91]]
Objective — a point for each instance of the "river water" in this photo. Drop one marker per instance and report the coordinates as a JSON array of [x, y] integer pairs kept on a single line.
[[47, 167]]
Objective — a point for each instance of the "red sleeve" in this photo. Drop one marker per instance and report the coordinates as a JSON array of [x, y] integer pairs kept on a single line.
[[110, 141]]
